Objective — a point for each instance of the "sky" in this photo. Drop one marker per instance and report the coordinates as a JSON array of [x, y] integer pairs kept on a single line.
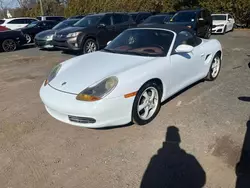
[[11, 3]]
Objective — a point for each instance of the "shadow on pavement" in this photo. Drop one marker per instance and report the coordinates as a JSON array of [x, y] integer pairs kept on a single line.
[[243, 166], [245, 99], [172, 167]]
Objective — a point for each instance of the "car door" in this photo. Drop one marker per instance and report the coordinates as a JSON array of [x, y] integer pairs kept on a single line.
[[106, 30], [231, 22], [187, 68]]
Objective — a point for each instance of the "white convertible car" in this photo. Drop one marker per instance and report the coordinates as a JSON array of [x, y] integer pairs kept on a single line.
[[128, 80]]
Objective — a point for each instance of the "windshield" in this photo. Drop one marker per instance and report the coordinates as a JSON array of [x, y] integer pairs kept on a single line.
[[88, 20], [219, 17], [2, 21], [184, 17], [32, 24], [64, 24], [133, 42], [155, 19]]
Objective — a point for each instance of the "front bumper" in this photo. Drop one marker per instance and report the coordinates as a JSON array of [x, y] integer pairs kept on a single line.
[[218, 29], [106, 112], [67, 44], [43, 43]]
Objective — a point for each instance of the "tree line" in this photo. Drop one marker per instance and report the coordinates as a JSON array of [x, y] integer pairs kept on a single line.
[[240, 9]]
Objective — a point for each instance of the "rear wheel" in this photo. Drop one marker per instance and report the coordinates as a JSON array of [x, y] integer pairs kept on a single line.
[[9, 45], [214, 68], [147, 103], [90, 45]]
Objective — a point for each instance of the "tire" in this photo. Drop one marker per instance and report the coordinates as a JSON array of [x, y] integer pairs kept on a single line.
[[28, 38], [225, 30], [214, 69], [149, 107], [90, 45], [9, 45], [208, 33], [232, 28]]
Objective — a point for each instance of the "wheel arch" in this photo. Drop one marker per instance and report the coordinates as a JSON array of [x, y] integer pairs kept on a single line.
[[158, 81], [86, 37]]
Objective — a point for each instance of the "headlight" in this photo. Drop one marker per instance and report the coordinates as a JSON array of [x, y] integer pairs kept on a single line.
[[73, 34], [98, 91], [221, 25], [53, 74], [49, 37]]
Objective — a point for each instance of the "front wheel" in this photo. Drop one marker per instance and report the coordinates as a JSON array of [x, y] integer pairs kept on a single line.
[[208, 33], [28, 38], [147, 103], [90, 45], [225, 30], [214, 68], [9, 45]]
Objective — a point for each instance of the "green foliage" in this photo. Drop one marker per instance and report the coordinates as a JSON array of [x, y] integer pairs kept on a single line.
[[239, 8]]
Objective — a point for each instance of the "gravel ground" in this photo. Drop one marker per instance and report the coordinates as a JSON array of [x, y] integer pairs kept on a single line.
[[199, 133]]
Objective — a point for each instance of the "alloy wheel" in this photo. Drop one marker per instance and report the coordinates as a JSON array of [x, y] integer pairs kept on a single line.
[[215, 67], [9, 45], [148, 103]]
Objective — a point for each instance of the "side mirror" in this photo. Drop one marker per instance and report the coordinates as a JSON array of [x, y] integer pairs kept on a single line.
[[230, 19], [184, 48], [108, 42], [201, 19], [101, 25]]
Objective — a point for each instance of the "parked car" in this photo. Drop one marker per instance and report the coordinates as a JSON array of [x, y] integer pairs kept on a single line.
[[34, 28], [3, 28], [44, 38], [130, 77], [139, 17], [10, 40], [158, 19], [16, 23], [200, 20], [54, 18], [77, 17], [92, 32], [222, 23]]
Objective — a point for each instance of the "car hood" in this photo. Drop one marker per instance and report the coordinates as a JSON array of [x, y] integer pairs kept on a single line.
[[219, 22], [83, 71], [70, 30], [44, 34]]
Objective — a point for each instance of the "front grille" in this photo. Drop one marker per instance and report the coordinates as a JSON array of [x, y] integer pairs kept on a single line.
[[81, 119]]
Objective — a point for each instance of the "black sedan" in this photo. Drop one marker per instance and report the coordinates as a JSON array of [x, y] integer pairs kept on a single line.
[[10, 40], [44, 39], [33, 28]]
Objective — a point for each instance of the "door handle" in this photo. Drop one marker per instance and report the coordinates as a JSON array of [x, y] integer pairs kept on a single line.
[[202, 55]]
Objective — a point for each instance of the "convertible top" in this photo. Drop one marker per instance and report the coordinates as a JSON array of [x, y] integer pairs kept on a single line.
[[173, 27]]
